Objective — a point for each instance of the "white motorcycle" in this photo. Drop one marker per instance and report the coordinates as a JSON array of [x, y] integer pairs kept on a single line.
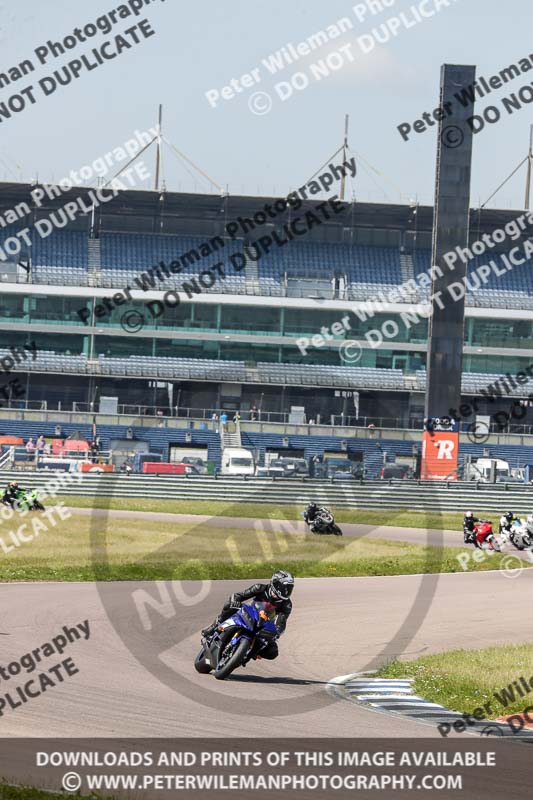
[[519, 536]]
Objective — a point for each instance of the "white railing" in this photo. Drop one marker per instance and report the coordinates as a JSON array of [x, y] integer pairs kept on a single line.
[[7, 458]]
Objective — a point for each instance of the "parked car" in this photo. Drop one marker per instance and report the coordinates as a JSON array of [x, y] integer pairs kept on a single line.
[[270, 472], [344, 476], [291, 466], [198, 463]]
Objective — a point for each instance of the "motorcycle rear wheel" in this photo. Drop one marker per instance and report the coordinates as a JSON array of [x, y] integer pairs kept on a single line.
[[234, 661], [200, 665]]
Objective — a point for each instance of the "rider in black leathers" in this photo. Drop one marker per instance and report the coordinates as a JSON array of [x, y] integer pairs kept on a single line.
[[277, 592], [311, 512], [10, 493], [468, 528]]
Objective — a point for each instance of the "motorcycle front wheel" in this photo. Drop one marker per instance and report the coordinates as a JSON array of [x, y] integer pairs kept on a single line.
[[234, 661], [200, 665], [336, 530]]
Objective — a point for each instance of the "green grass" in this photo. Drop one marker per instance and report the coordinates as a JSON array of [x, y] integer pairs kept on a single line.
[[464, 680], [400, 518], [25, 793], [84, 548]]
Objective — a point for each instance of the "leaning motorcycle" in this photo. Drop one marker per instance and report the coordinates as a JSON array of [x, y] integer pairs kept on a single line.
[[519, 536], [323, 523], [29, 500], [485, 536], [237, 640]]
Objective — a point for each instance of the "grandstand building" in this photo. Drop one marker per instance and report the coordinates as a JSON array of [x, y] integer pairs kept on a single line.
[[238, 341]]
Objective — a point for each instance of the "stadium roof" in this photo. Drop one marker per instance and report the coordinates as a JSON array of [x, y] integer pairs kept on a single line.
[[176, 212]]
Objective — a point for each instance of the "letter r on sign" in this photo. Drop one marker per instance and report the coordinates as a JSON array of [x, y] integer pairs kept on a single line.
[[446, 448]]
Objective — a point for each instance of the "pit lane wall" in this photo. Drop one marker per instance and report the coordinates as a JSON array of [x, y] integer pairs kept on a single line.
[[416, 495]]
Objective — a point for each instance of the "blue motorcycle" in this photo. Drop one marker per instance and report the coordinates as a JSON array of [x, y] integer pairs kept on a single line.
[[237, 640]]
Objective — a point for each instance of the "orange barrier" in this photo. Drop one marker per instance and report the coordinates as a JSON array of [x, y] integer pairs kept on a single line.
[[12, 440], [89, 467], [165, 468]]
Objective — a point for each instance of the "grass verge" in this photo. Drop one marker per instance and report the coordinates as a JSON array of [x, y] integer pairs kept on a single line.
[[464, 680], [136, 549], [400, 518], [26, 793]]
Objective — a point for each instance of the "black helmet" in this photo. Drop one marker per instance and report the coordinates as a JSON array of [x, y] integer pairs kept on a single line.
[[281, 585], [508, 516]]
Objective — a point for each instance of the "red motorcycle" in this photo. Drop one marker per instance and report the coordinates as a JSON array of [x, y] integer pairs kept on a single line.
[[485, 537]]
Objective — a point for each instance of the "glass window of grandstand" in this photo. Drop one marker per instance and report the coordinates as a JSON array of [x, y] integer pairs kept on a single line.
[[54, 342], [315, 355], [185, 348], [499, 332], [119, 347], [187, 316], [495, 365], [309, 321], [12, 307], [250, 319], [62, 310], [250, 354]]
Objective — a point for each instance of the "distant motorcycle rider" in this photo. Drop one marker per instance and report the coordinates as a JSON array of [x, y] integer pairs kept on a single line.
[[506, 522], [468, 528], [521, 536], [311, 512], [277, 592], [11, 493]]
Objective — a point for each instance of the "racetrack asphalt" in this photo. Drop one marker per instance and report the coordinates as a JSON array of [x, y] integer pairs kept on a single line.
[[339, 626], [412, 535]]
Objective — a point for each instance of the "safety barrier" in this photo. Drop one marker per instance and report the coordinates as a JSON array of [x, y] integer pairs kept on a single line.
[[416, 495]]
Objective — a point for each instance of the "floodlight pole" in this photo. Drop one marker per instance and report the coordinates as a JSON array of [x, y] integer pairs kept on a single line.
[[158, 149], [344, 148], [529, 163]]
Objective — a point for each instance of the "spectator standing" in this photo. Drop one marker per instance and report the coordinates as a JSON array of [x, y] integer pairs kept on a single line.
[[40, 445], [214, 420], [223, 421], [30, 446], [253, 412], [236, 417]]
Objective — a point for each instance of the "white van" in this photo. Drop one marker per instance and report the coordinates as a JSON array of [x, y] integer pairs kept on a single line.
[[237, 461], [482, 468]]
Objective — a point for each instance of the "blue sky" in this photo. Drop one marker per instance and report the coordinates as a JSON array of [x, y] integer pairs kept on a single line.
[[202, 46]]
